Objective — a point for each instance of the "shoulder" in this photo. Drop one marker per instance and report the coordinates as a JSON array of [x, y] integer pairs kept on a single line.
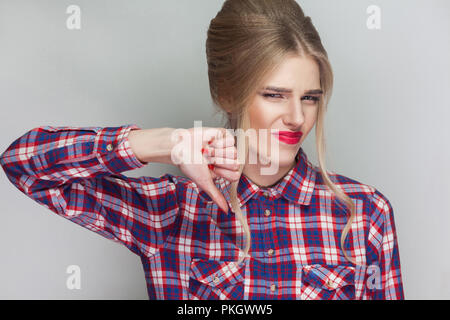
[[355, 189], [352, 187]]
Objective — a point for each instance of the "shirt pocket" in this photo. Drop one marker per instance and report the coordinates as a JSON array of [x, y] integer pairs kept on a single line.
[[216, 280], [327, 282]]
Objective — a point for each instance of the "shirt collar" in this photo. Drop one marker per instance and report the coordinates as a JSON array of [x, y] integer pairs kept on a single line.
[[296, 186]]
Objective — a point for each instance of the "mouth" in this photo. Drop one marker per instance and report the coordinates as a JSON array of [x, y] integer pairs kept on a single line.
[[289, 137]]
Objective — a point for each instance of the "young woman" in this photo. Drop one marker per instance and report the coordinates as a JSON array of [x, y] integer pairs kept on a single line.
[[225, 230]]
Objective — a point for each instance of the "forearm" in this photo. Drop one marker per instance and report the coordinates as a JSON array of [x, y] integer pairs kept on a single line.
[[152, 145], [76, 173]]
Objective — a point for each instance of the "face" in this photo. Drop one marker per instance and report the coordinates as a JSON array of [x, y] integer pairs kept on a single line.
[[288, 101]]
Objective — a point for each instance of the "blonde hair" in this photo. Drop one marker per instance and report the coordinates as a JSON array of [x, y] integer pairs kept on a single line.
[[245, 42]]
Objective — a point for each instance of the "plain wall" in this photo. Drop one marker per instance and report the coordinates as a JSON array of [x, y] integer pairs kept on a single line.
[[143, 62]]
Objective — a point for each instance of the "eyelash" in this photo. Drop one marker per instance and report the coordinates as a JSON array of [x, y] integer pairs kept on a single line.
[[268, 95]]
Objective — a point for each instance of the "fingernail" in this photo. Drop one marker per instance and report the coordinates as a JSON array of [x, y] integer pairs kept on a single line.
[[204, 151], [210, 166]]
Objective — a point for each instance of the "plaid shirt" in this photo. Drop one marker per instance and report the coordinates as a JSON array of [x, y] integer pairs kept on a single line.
[[187, 244]]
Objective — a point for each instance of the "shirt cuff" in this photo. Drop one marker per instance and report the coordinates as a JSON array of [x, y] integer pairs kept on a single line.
[[113, 150]]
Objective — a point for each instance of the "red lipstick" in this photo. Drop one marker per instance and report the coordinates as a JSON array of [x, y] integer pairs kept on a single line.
[[289, 137]]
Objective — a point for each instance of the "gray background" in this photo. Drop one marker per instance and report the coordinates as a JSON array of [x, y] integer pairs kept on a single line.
[[143, 62]]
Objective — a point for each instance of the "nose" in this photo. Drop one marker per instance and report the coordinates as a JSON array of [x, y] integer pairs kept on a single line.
[[294, 117]]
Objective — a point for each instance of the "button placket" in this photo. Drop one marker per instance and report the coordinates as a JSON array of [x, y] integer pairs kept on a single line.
[[267, 234]]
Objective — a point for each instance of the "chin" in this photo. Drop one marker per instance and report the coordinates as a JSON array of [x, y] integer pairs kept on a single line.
[[285, 158]]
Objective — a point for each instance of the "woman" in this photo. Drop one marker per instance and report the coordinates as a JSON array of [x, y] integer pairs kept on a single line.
[[229, 229]]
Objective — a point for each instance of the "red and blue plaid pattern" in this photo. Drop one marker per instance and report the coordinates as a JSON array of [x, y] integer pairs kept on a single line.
[[187, 244]]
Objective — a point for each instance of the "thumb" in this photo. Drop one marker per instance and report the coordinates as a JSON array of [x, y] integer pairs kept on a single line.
[[216, 195]]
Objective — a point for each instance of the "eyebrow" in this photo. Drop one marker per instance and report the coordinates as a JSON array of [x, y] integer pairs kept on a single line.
[[285, 90]]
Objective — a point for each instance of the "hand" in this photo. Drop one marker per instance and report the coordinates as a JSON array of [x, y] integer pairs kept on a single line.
[[216, 155]]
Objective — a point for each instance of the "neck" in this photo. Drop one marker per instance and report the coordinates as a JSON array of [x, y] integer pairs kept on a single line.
[[253, 172]]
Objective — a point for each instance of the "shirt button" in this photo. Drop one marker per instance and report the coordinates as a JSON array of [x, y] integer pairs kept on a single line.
[[266, 194], [267, 212], [109, 147], [270, 252], [273, 287], [216, 280], [330, 284]]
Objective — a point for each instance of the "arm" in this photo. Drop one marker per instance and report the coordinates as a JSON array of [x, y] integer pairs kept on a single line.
[[75, 172], [383, 236]]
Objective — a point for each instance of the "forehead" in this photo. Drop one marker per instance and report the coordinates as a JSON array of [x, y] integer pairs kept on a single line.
[[295, 72]]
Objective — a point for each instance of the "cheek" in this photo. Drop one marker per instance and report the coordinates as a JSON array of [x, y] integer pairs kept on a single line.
[[260, 115], [310, 120]]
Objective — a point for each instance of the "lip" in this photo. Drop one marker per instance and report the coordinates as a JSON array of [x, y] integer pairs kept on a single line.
[[289, 137]]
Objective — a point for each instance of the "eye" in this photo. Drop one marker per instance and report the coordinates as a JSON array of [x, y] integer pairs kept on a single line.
[[272, 95], [311, 98], [314, 99]]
